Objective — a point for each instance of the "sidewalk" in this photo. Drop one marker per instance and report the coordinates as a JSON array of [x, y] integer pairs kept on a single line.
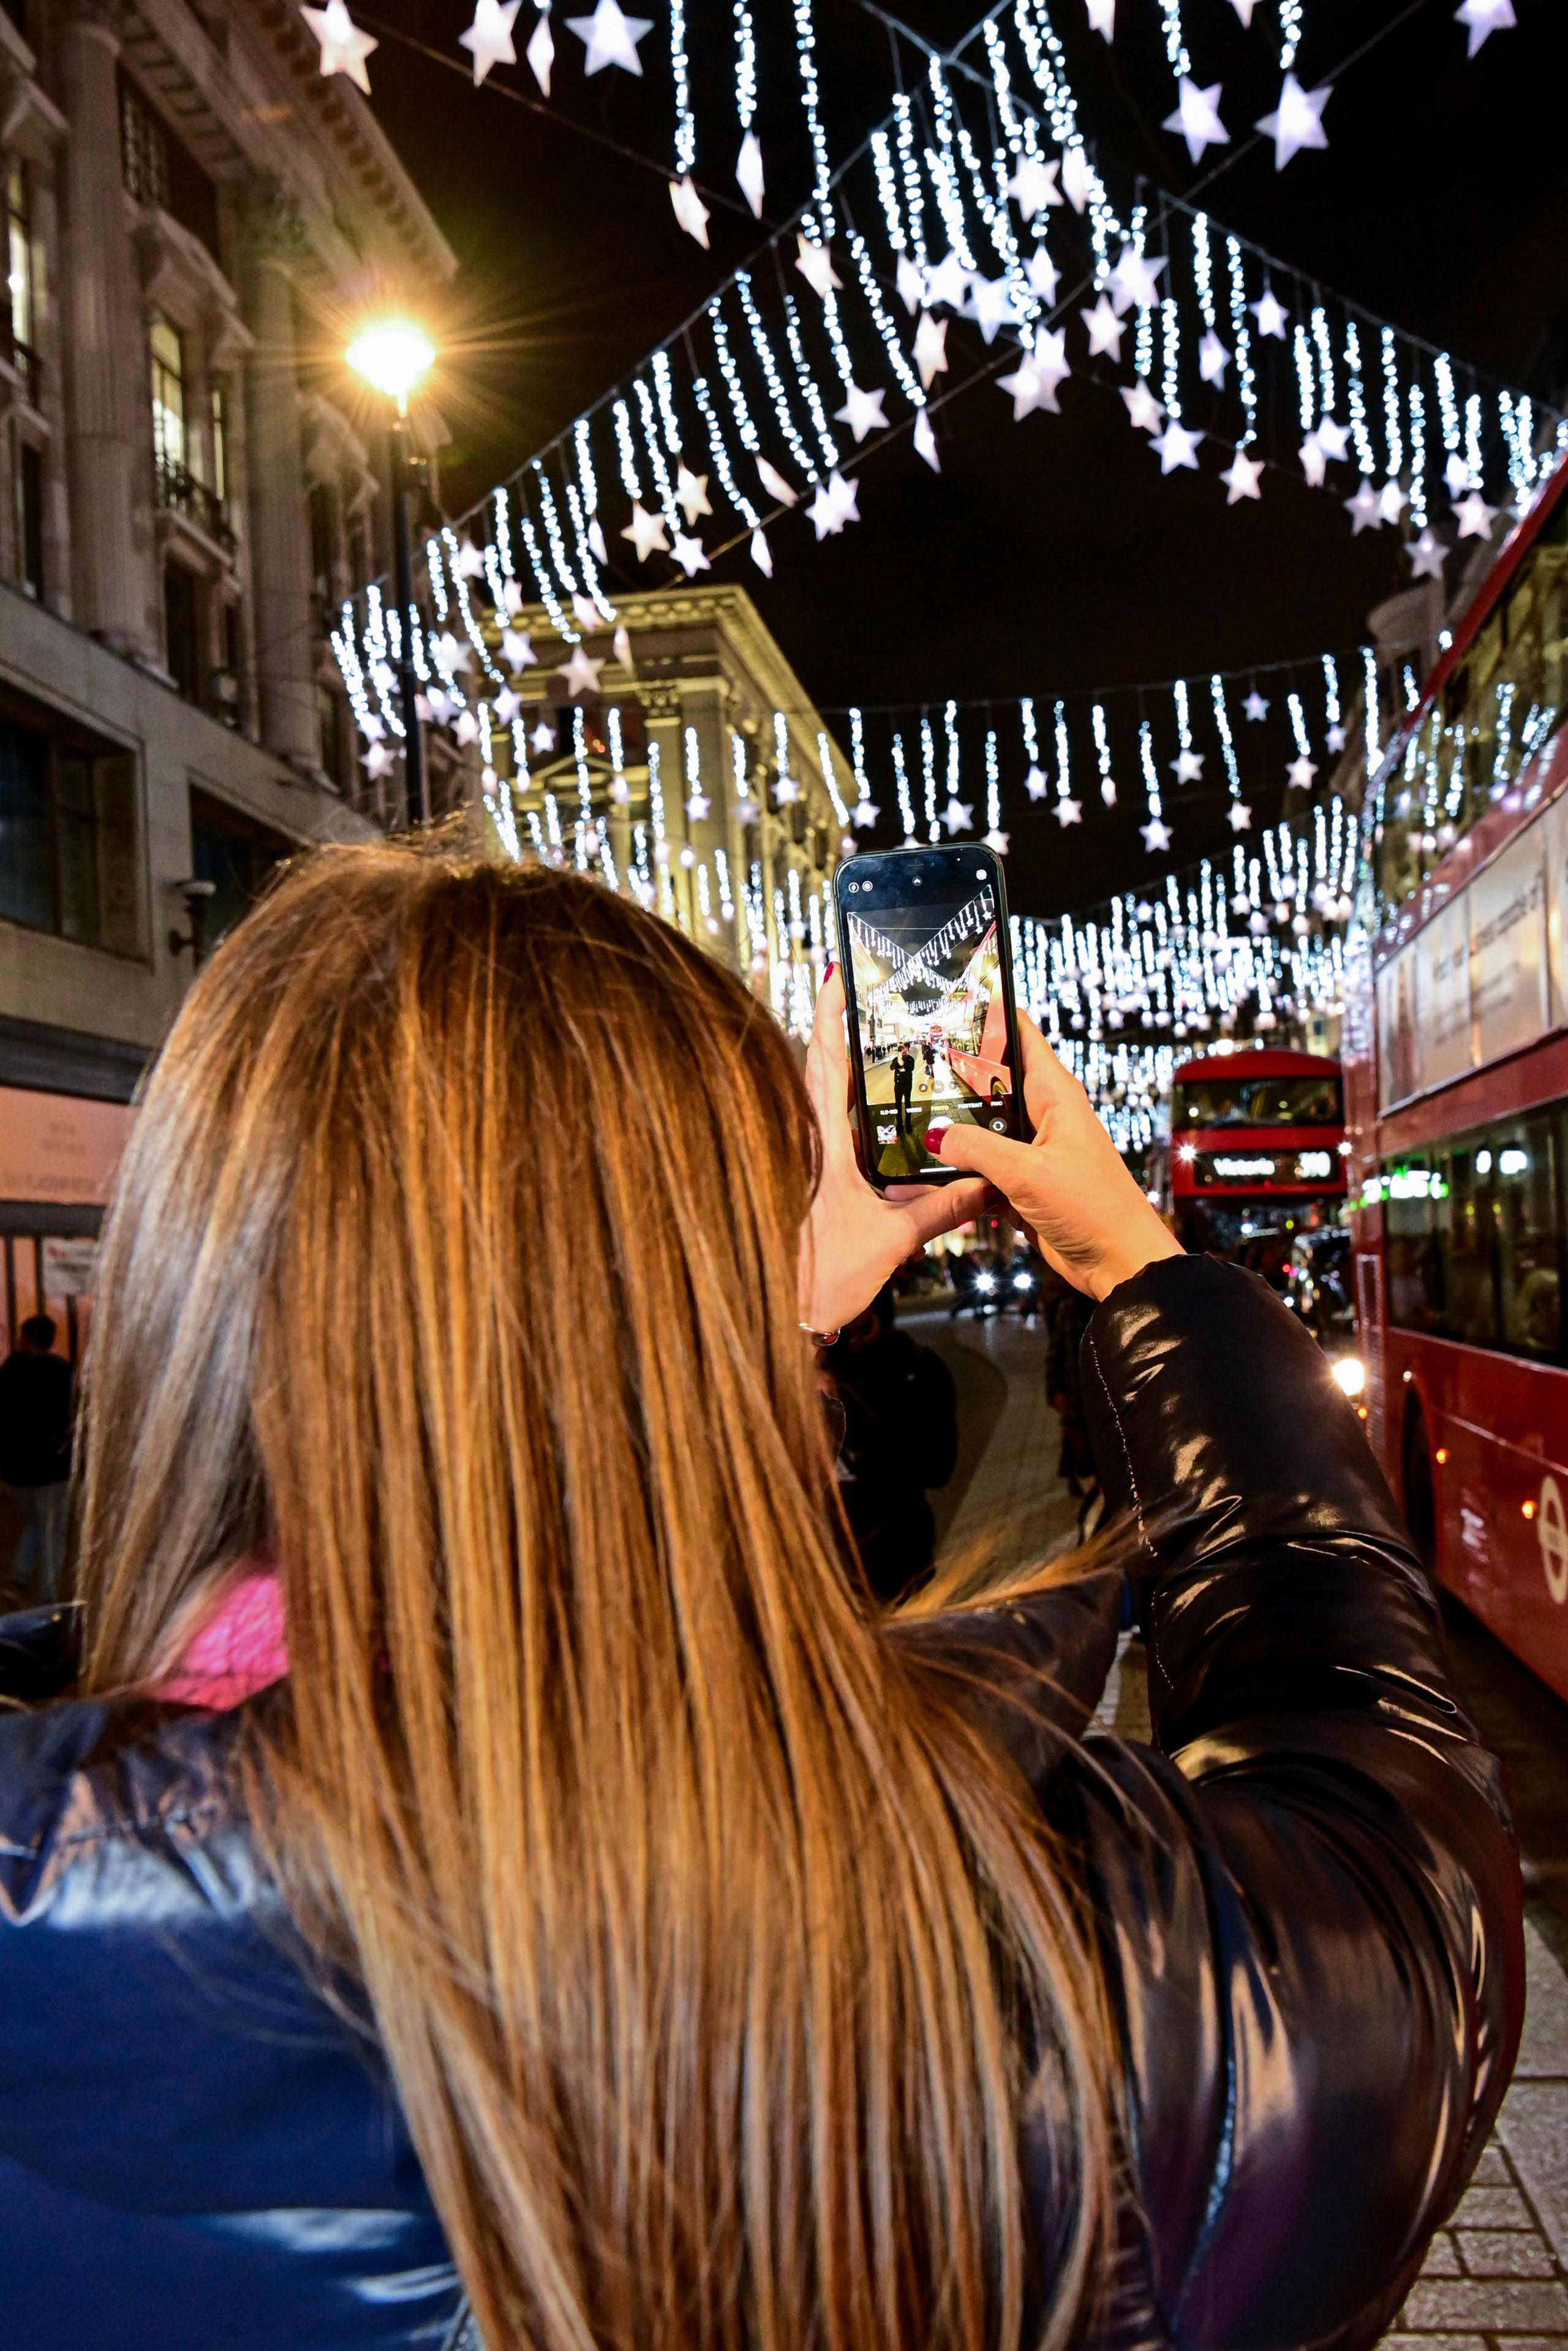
[[1497, 2278]]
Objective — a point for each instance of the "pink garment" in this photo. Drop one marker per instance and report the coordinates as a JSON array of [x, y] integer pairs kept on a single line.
[[242, 1649]]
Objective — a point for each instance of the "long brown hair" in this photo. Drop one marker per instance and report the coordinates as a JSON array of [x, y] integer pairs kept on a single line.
[[715, 1950]]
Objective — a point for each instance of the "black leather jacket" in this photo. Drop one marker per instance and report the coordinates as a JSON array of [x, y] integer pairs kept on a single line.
[[1307, 1896]]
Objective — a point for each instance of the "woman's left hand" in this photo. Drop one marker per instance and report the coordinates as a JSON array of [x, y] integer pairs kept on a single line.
[[855, 1235]]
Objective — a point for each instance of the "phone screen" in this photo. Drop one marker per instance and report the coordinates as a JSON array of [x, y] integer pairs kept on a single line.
[[928, 976]]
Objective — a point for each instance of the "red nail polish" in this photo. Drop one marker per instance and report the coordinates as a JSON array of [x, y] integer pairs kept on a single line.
[[828, 970]]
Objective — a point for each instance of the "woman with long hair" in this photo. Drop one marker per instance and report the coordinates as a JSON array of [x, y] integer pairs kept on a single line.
[[476, 1865]]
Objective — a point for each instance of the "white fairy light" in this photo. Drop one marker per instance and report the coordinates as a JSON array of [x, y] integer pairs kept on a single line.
[[1370, 708], [1063, 757], [914, 392], [773, 380], [436, 572], [1473, 439], [720, 453], [626, 450], [830, 778], [1331, 711], [1102, 752], [1170, 352], [1299, 724], [585, 554], [1418, 405], [1359, 434], [993, 788], [1306, 389], [857, 757], [1226, 740], [655, 454], [808, 382], [1241, 343], [913, 186], [471, 628], [806, 50], [1289, 33], [584, 829], [680, 74], [1391, 404], [905, 805]]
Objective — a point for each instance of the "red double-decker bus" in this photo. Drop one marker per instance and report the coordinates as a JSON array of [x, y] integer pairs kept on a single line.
[[1257, 1147], [1456, 1054]]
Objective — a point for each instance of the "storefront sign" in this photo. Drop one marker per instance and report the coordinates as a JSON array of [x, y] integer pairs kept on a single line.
[[59, 1150], [71, 1266]]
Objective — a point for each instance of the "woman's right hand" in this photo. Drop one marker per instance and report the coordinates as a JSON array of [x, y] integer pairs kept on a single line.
[[1084, 1212]]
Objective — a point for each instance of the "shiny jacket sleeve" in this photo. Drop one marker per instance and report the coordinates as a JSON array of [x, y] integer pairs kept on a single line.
[[1308, 1892]]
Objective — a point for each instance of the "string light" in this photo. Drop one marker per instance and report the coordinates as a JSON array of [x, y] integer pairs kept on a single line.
[[1103, 751], [905, 805], [685, 122]]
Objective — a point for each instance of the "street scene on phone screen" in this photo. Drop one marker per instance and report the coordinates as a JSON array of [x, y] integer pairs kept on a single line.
[[932, 1023]]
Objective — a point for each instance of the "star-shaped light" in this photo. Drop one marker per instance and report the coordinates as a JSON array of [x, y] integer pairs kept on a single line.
[[596, 539], [1036, 784], [622, 640], [1042, 274], [1156, 836], [925, 441], [453, 657], [991, 304], [931, 348], [861, 411], [1300, 773], [1102, 17], [1196, 118], [689, 209], [1475, 516], [1315, 464], [1297, 122], [910, 279], [511, 599], [947, 282], [1333, 439], [588, 613], [691, 493], [1177, 447], [344, 48], [372, 727], [1427, 556], [581, 672], [785, 790], [762, 554], [815, 263], [748, 173], [1068, 810], [646, 532], [1213, 358], [543, 737], [540, 52], [516, 650], [1133, 282], [1335, 737], [1456, 476], [690, 554], [467, 728], [1242, 478], [1269, 315], [774, 483], [1079, 180], [430, 706], [1033, 384], [1483, 16], [1033, 185], [747, 810], [1239, 817], [697, 806], [489, 39], [1144, 410], [1244, 10], [998, 840], [1105, 328], [1188, 767], [835, 504], [468, 563], [610, 38], [864, 814], [507, 705], [1365, 509], [377, 762], [959, 816], [1255, 705], [1392, 501]]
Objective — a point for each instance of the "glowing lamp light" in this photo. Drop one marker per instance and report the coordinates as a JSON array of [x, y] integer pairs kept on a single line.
[[392, 355], [1528, 1508], [1350, 1375], [1442, 1455]]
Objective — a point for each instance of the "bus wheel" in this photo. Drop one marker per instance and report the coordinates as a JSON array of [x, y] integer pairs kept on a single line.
[[1420, 1494]]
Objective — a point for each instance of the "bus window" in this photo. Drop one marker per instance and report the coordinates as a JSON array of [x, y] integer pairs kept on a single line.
[[1309, 1101], [1469, 1221], [1528, 1242], [1416, 1297]]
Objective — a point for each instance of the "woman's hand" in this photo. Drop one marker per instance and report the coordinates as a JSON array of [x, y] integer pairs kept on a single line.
[[855, 1235], [1085, 1214]]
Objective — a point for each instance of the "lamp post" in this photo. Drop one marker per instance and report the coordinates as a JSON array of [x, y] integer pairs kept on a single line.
[[392, 355]]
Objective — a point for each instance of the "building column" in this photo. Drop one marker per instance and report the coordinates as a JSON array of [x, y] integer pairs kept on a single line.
[[284, 622], [104, 348]]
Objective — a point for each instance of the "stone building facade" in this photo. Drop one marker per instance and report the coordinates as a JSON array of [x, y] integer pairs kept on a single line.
[[189, 486]]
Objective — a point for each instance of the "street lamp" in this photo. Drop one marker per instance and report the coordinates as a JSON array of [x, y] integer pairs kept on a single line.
[[392, 355]]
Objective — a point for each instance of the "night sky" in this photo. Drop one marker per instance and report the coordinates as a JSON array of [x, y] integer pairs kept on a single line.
[[1051, 556]]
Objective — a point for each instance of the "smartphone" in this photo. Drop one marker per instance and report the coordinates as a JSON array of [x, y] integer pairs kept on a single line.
[[926, 957]]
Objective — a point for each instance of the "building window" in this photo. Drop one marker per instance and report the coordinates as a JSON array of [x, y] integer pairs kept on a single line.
[[30, 516], [68, 837], [22, 289], [359, 555], [322, 508], [235, 854], [181, 641], [159, 169], [218, 421], [168, 357]]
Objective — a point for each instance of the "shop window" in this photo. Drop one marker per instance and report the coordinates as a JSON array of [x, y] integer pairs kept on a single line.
[[181, 639], [235, 854], [68, 859]]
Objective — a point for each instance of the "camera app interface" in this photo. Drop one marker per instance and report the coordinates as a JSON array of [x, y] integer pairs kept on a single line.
[[928, 1000]]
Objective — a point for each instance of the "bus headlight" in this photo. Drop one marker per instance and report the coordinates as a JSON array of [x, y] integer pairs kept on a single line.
[[1350, 1375]]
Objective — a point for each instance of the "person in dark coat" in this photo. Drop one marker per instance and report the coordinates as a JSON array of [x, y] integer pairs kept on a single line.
[[475, 1863], [903, 1087], [1067, 1320], [36, 1408], [901, 1440]]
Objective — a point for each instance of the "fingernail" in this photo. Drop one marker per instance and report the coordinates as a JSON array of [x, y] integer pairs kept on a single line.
[[828, 970]]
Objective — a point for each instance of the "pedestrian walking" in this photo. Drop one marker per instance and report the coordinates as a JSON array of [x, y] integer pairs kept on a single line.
[[903, 1087], [476, 1863], [35, 1405], [900, 1442]]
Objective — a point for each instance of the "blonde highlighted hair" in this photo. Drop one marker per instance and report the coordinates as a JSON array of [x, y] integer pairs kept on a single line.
[[716, 1951]]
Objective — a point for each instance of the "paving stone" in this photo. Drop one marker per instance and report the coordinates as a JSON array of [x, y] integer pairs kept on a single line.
[[1543, 2051], [1503, 2305], [1437, 2343], [1502, 2253], [1492, 2208], [1492, 2170], [1533, 2126], [1441, 2260]]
